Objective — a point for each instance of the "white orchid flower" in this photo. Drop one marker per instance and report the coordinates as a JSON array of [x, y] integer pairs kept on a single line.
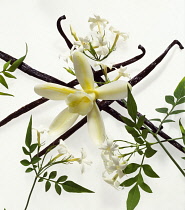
[[82, 102]]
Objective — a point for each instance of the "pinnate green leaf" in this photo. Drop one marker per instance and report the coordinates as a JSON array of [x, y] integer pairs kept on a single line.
[[132, 131], [25, 162], [62, 179], [162, 110], [129, 182], [180, 89], [181, 101], [53, 174], [133, 198], [45, 174], [47, 185], [26, 152], [149, 171], [28, 139], [9, 75], [58, 188], [177, 112], [149, 152], [6, 65], [33, 147], [3, 81], [6, 94], [35, 160], [145, 187], [140, 121], [128, 122], [155, 119], [70, 186], [131, 106], [132, 167], [167, 121], [170, 99]]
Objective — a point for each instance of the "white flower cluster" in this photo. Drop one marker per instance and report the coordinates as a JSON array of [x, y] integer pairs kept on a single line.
[[114, 165]]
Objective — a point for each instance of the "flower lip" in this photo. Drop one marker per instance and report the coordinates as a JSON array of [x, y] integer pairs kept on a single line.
[[79, 102]]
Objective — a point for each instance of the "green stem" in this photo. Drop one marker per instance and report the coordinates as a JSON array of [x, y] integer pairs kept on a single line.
[[170, 156], [30, 193]]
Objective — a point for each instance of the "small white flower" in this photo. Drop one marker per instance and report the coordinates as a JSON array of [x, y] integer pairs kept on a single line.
[[113, 181], [109, 147], [102, 50], [122, 34], [97, 21], [116, 165], [83, 160], [63, 149], [122, 72]]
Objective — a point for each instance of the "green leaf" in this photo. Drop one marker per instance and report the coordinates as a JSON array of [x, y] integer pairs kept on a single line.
[[6, 65], [167, 121], [9, 75], [131, 105], [144, 133], [45, 174], [162, 110], [129, 182], [182, 131], [28, 139], [70, 186], [35, 160], [62, 179], [6, 94], [132, 167], [33, 147], [170, 100], [177, 112], [139, 140], [132, 131], [26, 152], [133, 198], [58, 188], [47, 186], [155, 119], [41, 179], [140, 121], [180, 89], [18, 62], [145, 187], [128, 122], [25, 162], [181, 101], [28, 170], [149, 152], [53, 174], [3, 81], [149, 171], [92, 51]]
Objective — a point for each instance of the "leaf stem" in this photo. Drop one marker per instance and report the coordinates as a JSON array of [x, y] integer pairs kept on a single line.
[[31, 191]]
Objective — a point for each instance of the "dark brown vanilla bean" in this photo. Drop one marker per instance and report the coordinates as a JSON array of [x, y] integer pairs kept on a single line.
[[59, 27], [149, 68], [117, 115], [30, 71], [23, 110]]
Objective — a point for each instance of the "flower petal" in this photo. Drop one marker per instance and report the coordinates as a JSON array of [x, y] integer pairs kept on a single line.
[[62, 122], [53, 91], [113, 91], [83, 71], [96, 125]]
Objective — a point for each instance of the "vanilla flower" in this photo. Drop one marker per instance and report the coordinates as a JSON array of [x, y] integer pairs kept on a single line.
[[82, 102], [97, 21], [83, 160]]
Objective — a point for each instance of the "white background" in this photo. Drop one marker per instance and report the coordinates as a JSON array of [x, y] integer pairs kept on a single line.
[[152, 23]]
